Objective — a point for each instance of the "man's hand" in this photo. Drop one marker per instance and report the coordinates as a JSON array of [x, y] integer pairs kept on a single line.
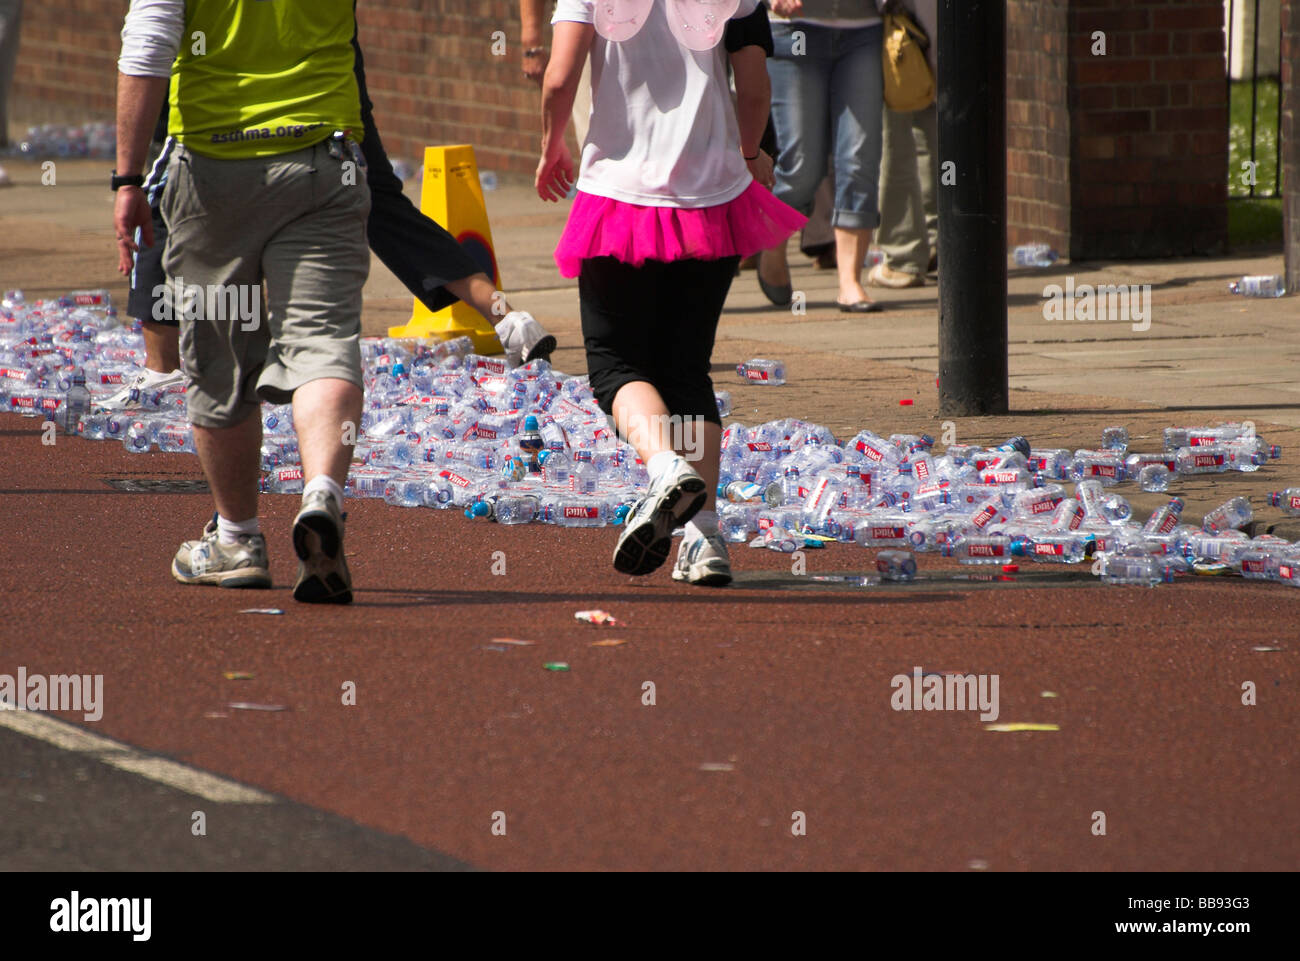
[[787, 8], [131, 210], [555, 173], [761, 169]]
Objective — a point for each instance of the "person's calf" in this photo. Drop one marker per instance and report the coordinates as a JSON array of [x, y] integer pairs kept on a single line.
[[327, 419]]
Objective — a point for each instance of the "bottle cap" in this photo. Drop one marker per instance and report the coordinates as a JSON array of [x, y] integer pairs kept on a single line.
[[530, 422], [1275, 499]]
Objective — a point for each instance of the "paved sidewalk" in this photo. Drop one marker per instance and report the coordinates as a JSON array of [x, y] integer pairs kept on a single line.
[[1206, 351]]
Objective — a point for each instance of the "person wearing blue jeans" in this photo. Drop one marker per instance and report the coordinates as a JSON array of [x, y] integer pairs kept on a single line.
[[827, 98]]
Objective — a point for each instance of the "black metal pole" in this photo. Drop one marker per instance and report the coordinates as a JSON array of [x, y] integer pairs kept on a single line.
[[972, 208]]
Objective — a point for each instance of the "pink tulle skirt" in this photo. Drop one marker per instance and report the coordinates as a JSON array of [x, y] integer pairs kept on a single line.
[[632, 233]]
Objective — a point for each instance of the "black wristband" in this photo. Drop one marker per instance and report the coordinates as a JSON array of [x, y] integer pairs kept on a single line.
[[755, 157], [132, 180]]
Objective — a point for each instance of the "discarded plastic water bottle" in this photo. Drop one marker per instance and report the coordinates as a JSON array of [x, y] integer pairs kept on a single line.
[[1176, 437], [583, 479], [896, 565], [1050, 463], [778, 539], [1115, 438], [1056, 548], [1068, 516], [515, 509], [572, 511], [177, 438], [487, 179], [823, 499], [1202, 460], [740, 492], [138, 437], [979, 549], [1249, 454], [736, 521], [1230, 515], [1288, 500], [1164, 519], [1115, 510], [1040, 501], [1154, 478], [405, 491], [1106, 466], [1225, 547], [1259, 286], [760, 371], [1018, 444], [1144, 571], [556, 468], [723, 397], [77, 403], [1035, 255], [1259, 564]]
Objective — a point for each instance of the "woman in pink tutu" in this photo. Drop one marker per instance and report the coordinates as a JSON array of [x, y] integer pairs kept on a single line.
[[672, 192]]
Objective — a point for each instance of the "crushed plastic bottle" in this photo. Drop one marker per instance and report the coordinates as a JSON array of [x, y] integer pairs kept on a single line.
[[1259, 286], [1034, 255]]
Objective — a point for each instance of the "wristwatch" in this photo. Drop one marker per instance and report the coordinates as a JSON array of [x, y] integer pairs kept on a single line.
[[133, 180]]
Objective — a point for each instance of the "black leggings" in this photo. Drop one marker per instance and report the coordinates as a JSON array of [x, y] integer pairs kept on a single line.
[[654, 323]]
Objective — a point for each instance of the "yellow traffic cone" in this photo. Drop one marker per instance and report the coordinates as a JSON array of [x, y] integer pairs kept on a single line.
[[453, 197]]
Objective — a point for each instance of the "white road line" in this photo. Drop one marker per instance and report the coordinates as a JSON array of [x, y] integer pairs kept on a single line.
[[69, 737]]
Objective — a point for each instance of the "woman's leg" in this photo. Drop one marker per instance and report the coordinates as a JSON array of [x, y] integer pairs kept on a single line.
[[801, 119], [856, 105]]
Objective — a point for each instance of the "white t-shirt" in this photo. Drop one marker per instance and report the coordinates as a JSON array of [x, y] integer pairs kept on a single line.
[[663, 127]]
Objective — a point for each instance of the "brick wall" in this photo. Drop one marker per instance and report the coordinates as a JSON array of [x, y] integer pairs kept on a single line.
[[1123, 154], [1149, 129], [434, 79], [67, 60], [429, 66], [1290, 134], [1038, 129]]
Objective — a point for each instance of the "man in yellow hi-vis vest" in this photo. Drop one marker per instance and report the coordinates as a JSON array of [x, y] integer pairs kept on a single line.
[[261, 186]]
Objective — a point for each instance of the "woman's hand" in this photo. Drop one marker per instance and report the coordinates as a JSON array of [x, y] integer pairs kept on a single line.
[[535, 63], [787, 8], [555, 173], [761, 168]]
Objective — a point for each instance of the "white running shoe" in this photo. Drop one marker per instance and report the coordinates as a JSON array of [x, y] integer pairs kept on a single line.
[[524, 338], [703, 560], [675, 496], [127, 397]]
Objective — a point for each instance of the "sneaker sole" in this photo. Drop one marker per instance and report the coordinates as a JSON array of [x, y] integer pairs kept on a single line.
[[703, 576], [644, 548], [244, 577], [542, 350], [323, 576]]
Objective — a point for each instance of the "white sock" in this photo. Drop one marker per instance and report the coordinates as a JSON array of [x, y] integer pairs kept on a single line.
[[660, 463], [229, 532], [703, 524], [323, 482]]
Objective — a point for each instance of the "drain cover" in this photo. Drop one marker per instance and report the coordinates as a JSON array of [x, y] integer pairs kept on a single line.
[[149, 485]]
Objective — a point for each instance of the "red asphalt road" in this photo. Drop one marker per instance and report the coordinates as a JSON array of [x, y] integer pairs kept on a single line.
[[792, 688]]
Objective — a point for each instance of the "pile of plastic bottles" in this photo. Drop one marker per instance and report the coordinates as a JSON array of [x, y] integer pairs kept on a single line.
[[447, 428], [94, 140]]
